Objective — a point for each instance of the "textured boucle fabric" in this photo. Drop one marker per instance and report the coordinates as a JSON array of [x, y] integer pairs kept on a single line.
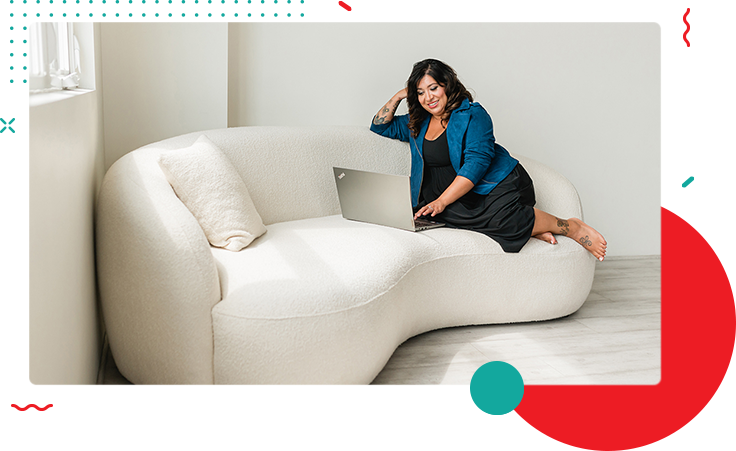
[[288, 170], [157, 279], [211, 188], [346, 294], [317, 298]]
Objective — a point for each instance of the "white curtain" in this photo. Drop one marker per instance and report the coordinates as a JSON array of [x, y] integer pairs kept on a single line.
[[54, 57]]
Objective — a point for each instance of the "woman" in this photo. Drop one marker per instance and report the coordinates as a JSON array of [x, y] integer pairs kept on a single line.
[[459, 175]]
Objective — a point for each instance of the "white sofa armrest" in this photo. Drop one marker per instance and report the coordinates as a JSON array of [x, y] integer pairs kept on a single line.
[[158, 279], [554, 193]]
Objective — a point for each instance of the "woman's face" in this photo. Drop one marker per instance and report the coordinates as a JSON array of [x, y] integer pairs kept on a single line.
[[431, 96]]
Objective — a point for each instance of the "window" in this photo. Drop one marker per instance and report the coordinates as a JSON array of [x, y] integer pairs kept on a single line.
[[54, 57]]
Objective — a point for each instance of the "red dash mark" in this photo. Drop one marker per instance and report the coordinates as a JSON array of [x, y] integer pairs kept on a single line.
[[345, 5], [23, 409], [684, 35]]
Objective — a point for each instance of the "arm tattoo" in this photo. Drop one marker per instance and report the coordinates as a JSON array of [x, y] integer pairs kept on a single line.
[[396, 105], [380, 118]]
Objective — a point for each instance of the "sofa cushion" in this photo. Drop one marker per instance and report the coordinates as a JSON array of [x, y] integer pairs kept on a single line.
[[324, 265], [209, 185], [338, 262], [327, 300]]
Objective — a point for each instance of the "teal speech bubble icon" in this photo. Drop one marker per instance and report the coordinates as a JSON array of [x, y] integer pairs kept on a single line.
[[495, 391]]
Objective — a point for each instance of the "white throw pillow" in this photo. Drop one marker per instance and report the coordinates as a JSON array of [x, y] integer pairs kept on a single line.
[[211, 188]]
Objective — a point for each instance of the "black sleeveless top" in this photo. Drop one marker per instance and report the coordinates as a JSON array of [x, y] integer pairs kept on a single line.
[[505, 214], [438, 171]]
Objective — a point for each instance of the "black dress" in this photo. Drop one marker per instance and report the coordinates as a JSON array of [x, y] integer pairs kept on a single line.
[[505, 214]]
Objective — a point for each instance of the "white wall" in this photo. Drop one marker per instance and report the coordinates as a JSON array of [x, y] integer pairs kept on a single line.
[[161, 80], [66, 168], [581, 98]]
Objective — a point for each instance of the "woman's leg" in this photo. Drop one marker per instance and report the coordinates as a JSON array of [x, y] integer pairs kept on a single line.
[[573, 228]]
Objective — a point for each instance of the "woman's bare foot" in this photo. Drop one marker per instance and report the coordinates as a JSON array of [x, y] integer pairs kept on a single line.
[[573, 228], [546, 236], [585, 235]]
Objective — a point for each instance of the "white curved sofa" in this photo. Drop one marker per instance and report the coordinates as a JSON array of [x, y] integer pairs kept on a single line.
[[317, 299]]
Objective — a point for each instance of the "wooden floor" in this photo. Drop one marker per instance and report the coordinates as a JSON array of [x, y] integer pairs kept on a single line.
[[613, 339]]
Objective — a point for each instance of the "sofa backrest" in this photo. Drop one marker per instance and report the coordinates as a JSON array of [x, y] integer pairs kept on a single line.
[[288, 170]]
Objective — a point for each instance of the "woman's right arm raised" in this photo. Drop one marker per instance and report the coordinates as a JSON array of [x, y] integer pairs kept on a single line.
[[386, 113]]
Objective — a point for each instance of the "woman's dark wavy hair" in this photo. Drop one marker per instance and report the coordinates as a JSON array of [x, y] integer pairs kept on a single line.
[[447, 78]]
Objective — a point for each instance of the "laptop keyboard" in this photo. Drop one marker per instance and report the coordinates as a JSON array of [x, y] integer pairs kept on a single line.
[[423, 224]]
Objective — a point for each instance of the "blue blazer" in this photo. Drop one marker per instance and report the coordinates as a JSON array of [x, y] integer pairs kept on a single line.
[[474, 153]]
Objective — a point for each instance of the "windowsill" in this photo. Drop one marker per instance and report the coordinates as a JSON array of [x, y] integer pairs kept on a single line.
[[55, 96]]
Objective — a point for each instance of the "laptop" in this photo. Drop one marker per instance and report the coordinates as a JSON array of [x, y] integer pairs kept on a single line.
[[377, 198]]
